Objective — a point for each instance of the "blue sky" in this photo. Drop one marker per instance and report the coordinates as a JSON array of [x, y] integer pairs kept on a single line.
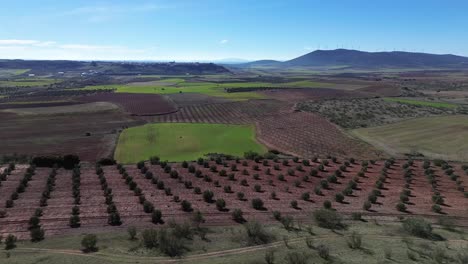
[[216, 29]]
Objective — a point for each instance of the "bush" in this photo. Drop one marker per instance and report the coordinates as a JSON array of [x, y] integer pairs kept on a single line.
[[37, 234], [339, 197], [418, 227], [75, 221], [114, 219], [240, 196], [294, 204], [401, 207], [256, 234], [208, 196], [367, 205], [270, 256], [169, 244], [10, 242], [354, 241], [323, 251], [186, 206], [132, 232], [150, 238], [328, 219], [258, 188], [238, 216], [305, 196], [257, 204], [356, 216], [295, 258], [221, 205], [156, 217], [436, 208], [327, 204]]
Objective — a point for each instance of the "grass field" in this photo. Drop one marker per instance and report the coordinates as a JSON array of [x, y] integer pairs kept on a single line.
[[27, 82], [381, 243], [177, 85], [435, 137], [178, 142], [421, 103]]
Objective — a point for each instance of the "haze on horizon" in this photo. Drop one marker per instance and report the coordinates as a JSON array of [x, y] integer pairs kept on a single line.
[[206, 30]]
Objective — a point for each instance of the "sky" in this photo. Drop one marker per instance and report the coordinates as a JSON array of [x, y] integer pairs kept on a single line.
[[201, 30]]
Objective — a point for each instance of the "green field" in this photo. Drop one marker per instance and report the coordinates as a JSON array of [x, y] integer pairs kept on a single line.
[[381, 243], [27, 82], [177, 85], [421, 103], [178, 142], [443, 137]]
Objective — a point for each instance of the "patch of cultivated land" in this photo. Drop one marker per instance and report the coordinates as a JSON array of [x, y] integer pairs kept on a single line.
[[307, 135], [435, 137], [63, 133], [421, 102], [276, 183], [178, 142], [245, 112], [356, 113], [136, 104], [64, 109]]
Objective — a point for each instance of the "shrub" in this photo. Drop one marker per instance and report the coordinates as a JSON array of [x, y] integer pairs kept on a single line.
[[256, 234], [227, 189], [258, 188], [114, 219], [257, 204], [401, 207], [220, 204], [318, 190], [37, 234], [324, 184], [372, 198], [367, 205], [244, 182], [10, 242], [197, 190], [295, 258], [148, 207], [327, 204], [287, 222], [132, 232], [277, 215], [169, 244], [208, 196], [354, 241], [418, 227], [356, 216], [305, 196], [34, 222], [328, 219], [339, 197], [270, 256], [273, 195], [238, 215], [186, 206], [150, 238], [74, 221], [323, 251], [436, 208], [294, 204], [156, 217], [3, 214]]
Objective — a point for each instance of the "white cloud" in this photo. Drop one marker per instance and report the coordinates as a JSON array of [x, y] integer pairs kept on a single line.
[[18, 42], [51, 50], [224, 41]]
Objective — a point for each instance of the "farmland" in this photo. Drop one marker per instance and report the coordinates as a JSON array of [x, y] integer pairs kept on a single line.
[[178, 142], [422, 136], [421, 103]]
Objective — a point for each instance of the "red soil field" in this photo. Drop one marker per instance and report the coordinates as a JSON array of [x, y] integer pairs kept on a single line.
[[135, 104], [225, 113], [93, 208], [299, 95], [63, 134], [31, 105], [307, 134]]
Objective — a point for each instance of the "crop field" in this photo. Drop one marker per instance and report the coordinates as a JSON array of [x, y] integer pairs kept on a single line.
[[225, 113], [172, 86], [66, 108], [275, 182], [136, 104], [178, 142], [422, 103], [62, 133], [307, 135], [26, 82], [443, 137]]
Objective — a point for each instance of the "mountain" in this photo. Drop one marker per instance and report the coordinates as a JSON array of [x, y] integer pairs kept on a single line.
[[362, 59], [263, 63]]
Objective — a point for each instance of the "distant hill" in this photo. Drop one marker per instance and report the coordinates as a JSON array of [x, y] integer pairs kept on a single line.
[[362, 59], [43, 67]]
